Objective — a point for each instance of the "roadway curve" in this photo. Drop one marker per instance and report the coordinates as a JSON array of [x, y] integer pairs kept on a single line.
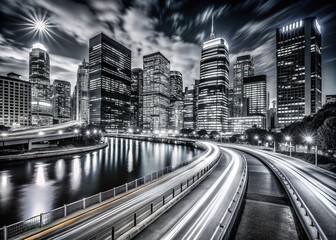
[[315, 187]]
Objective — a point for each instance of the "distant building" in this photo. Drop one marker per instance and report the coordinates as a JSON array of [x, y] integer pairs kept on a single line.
[[82, 110], [189, 114], [61, 101], [244, 67], [176, 86], [299, 76], [39, 76], [109, 83], [176, 115], [238, 125], [254, 91], [330, 98], [136, 98], [15, 101], [212, 112], [271, 117], [230, 102], [156, 91]]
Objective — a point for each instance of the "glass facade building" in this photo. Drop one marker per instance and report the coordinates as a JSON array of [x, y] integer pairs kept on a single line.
[[238, 125], [255, 94], [82, 93], [109, 83], [156, 91], [136, 98], [244, 67], [298, 64], [212, 112], [61, 101], [189, 108], [15, 101], [176, 86], [39, 76], [176, 115]]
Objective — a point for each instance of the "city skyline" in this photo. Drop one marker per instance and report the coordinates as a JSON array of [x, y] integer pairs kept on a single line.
[[165, 27]]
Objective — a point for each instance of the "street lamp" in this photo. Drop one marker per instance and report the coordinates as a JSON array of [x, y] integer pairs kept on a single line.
[[60, 132], [288, 138], [256, 137], [76, 131], [310, 139], [270, 138]]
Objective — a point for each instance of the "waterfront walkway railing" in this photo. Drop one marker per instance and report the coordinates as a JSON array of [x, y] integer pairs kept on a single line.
[[44, 219]]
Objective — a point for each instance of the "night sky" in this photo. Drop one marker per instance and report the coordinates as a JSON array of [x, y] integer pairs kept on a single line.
[[176, 28]]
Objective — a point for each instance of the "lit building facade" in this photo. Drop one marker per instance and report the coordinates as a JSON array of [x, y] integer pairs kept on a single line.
[[330, 98], [136, 98], [212, 112], [255, 93], [299, 77], [156, 91], [39, 76], [176, 115], [238, 125], [109, 83], [15, 101], [189, 113], [61, 101], [244, 67], [176, 86], [82, 93]]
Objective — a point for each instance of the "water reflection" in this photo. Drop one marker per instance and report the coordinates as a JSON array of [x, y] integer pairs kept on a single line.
[[29, 188]]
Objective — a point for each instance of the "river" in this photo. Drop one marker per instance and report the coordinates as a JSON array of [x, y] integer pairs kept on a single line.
[[32, 187]]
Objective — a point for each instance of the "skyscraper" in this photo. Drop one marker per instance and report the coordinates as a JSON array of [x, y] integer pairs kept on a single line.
[[15, 101], [82, 92], [176, 85], [136, 98], [254, 91], [39, 76], [243, 67], [109, 83], [189, 108], [156, 91], [212, 113], [176, 115], [61, 101], [299, 79]]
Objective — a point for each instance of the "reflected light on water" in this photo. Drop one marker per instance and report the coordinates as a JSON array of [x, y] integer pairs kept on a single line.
[[5, 188], [60, 169], [40, 177], [76, 174], [87, 164]]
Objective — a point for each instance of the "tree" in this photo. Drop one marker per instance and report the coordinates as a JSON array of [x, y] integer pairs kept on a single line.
[[214, 134], [326, 135], [251, 133], [202, 133]]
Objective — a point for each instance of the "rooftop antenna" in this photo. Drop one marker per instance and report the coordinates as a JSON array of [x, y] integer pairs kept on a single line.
[[212, 34]]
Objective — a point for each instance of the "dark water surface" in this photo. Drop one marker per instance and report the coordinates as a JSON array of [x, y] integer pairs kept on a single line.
[[33, 187]]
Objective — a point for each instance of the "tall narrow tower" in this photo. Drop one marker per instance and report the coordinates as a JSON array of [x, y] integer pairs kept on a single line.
[[212, 110], [39, 76]]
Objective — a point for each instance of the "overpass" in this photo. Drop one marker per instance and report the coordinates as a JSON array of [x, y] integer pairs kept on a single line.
[[39, 134], [127, 210]]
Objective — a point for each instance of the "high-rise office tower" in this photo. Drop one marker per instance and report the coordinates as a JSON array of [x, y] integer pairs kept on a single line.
[[109, 83], [243, 67], [212, 113], [156, 91], [189, 108], [176, 85], [299, 77], [136, 98], [176, 115], [61, 101], [15, 101], [82, 93], [254, 91], [39, 76]]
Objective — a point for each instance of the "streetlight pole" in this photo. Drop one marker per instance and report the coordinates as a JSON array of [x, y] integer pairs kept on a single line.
[[309, 139], [290, 145]]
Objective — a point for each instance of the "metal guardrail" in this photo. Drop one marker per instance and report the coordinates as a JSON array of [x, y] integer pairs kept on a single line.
[[307, 219], [20, 228], [122, 229]]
